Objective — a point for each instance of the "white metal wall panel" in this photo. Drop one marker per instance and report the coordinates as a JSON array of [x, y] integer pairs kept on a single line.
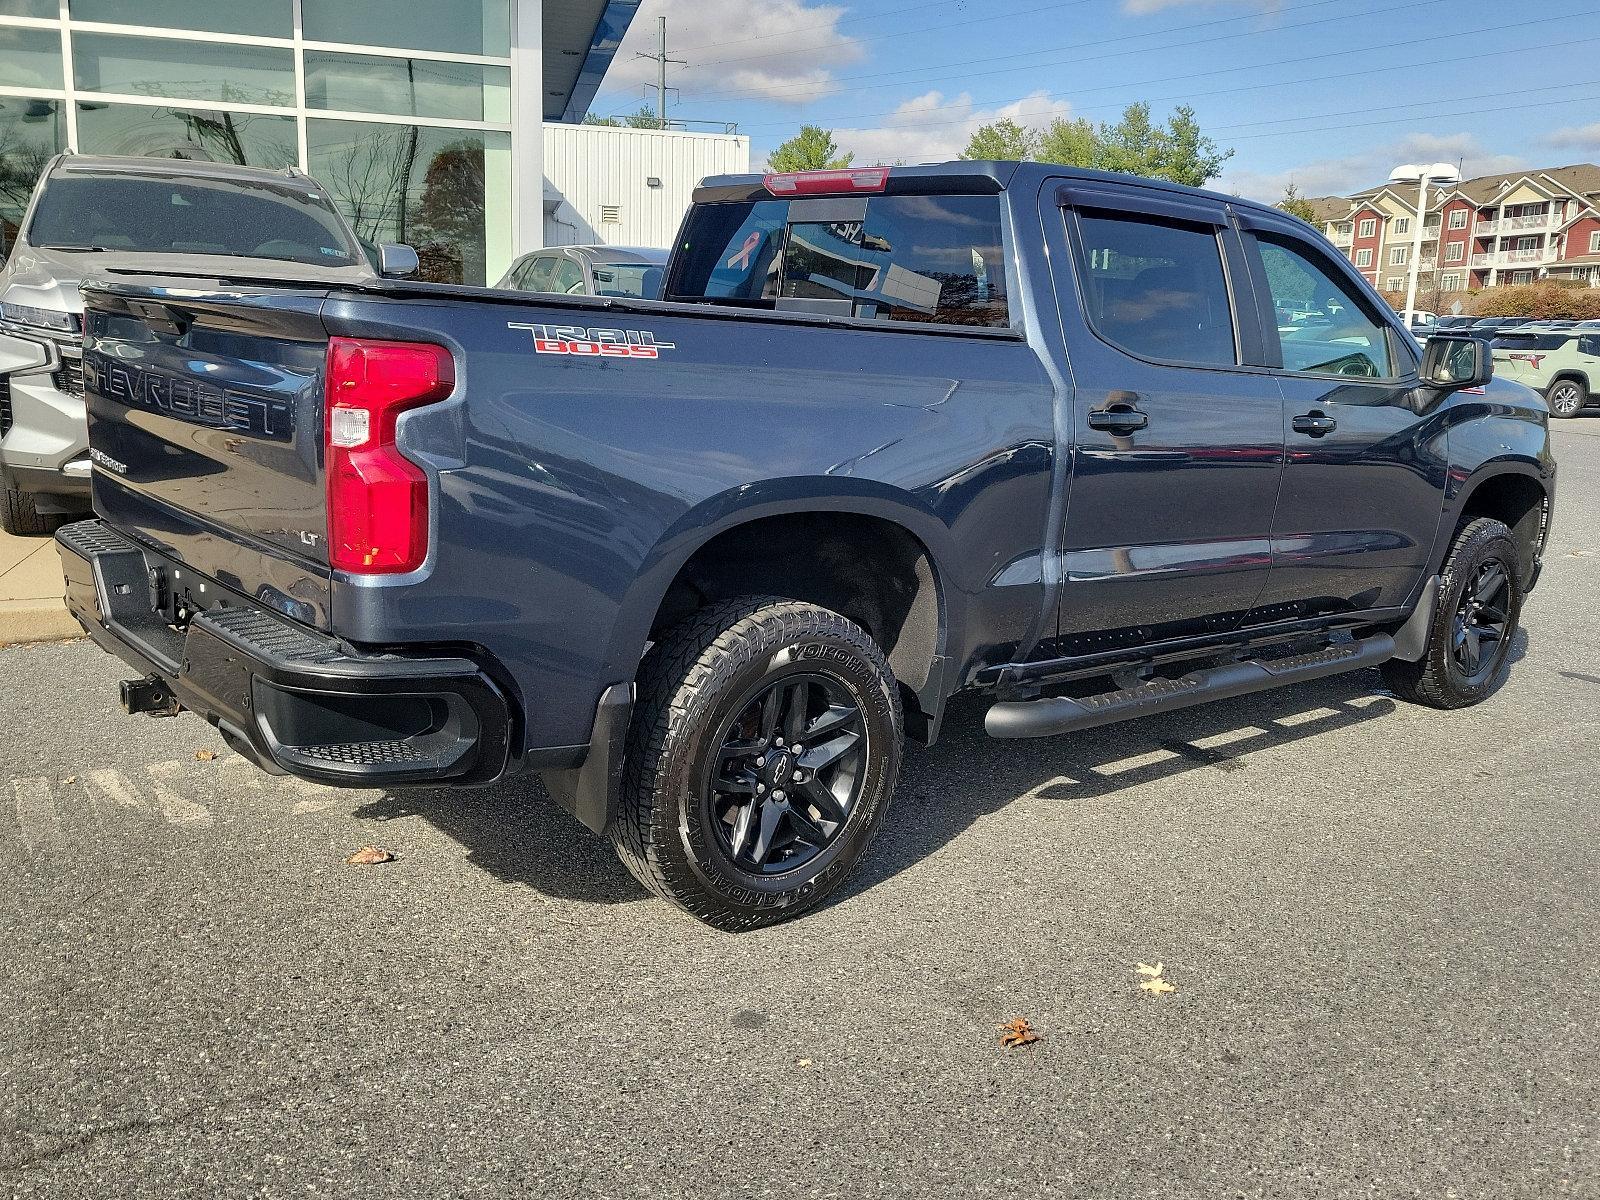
[[594, 173]]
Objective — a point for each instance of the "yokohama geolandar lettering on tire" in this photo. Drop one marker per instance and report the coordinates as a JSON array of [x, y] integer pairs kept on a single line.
[[1475, 620], [764, 749]]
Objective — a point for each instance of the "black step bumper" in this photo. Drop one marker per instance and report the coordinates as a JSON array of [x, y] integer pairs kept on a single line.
[[293, 700]]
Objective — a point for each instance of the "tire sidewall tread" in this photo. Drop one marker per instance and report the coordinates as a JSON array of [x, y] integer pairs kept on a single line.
[[685, 686]]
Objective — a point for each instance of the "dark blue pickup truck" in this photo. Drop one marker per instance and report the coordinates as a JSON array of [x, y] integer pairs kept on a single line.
[[1095, 446]]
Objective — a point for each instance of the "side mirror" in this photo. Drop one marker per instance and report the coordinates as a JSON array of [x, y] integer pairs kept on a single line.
[[1451, 362], [396, 261]]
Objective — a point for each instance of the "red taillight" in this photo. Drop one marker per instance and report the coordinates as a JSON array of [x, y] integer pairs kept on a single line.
[[378, 498], [827, 183]]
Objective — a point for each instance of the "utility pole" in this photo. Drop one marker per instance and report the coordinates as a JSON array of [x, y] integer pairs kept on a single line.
[[661, 60]]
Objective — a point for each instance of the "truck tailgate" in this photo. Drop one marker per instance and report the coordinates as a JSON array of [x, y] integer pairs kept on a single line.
[[205, 429]]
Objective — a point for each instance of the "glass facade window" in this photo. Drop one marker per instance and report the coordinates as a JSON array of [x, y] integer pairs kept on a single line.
[[30, 57], [408, 87], [29, 8], [460, 27], [445, 192], [254, 18], [210, 135], [31, 131], [144, 66]]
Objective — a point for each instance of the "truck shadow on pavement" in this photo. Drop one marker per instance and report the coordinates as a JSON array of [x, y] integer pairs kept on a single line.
[[514, 832]]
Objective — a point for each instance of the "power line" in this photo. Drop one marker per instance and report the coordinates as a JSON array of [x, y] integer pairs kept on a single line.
[[1075, 48], [1476, 112], [1356, 112], [986, 19], [1343, 53]]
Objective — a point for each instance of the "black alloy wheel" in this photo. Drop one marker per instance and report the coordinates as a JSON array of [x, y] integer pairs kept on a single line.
[[787, 774], [1482, 620]]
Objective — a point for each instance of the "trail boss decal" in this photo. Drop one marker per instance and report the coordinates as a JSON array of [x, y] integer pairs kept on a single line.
[[596, 343]]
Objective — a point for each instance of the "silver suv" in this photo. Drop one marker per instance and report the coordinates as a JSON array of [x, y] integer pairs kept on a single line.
[[1564, 364], [92, 215]]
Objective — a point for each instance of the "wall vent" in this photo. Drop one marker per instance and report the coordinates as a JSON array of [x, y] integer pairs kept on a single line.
[[611, 214]]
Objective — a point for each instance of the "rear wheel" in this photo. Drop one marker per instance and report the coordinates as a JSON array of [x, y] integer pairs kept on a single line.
[[1566, 397], [1475, 618], [762, 755], [18, 514]]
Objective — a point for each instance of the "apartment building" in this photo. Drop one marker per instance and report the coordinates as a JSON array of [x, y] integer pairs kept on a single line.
[[1515, 227]]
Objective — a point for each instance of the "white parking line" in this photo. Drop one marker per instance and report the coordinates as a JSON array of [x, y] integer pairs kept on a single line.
[[177, 809], [108, 786], [37, 818]]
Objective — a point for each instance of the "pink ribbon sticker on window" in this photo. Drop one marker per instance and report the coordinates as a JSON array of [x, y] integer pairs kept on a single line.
[[742, 259]]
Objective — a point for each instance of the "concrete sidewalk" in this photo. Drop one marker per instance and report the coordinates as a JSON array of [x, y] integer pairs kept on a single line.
[[30, 592]]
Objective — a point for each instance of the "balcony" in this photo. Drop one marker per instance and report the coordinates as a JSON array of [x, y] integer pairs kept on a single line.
[[1516, 258], [1523, 224]]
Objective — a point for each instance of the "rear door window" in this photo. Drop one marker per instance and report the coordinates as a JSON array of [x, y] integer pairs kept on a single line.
[[1156, 288], [923, 259]]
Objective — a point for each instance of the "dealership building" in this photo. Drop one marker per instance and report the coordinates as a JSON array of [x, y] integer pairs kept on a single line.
[[454, 127]]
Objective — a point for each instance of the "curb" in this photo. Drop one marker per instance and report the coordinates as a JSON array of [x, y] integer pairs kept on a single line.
[[36, 621]]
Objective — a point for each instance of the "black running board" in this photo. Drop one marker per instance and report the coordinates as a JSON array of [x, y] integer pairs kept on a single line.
[[1051, 715]]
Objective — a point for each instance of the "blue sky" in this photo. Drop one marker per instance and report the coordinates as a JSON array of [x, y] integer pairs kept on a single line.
[[1328, 93]]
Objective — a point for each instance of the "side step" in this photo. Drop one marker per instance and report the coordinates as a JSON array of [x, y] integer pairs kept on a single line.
[[1051, 715]]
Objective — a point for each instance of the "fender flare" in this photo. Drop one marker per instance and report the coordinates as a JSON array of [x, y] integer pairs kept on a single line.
[[734, 507]]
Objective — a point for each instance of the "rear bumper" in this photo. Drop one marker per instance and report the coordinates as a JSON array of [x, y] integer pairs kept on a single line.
[[293, 700]]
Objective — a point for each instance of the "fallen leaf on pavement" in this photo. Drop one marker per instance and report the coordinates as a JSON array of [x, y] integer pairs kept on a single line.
[[802, 1062], [205, 755], [1017, 1032], [1157, 986], [1147, 969], [70, 779], [369, 856]]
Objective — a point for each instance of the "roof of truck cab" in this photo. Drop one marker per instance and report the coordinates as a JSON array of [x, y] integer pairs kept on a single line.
[[998, 176]]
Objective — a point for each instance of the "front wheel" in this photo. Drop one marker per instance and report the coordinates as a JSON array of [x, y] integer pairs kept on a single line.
[[1566, 398], [761, 758], [1475, 619], [19, 516]]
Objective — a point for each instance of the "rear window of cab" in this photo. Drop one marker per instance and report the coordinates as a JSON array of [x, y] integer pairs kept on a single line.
[[927, 259]]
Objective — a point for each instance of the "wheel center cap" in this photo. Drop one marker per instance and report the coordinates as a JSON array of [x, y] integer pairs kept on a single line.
[[778, 765]]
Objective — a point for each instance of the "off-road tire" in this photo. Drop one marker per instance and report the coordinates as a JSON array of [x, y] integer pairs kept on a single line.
[[1437, 679], [688, 688], [19, 516], [1561, 394]]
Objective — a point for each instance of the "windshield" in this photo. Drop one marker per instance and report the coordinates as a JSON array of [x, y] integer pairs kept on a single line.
[[236, 218], [640, 280]]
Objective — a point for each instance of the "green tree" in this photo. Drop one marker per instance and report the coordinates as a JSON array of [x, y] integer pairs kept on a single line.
[[1002, 141], [1297, 205], [812, 149], [1184, 154], [1070, 143], [645, 118], [1132, 145]]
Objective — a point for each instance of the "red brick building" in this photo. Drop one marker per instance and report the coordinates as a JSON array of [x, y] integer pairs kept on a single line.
[[1516, 227]]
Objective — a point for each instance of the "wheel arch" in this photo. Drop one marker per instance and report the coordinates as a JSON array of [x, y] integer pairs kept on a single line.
[[1515, 492], [803, 538]]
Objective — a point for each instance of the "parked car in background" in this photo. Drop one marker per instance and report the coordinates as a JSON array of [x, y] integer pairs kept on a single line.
[[488, 552], [98, 217], [1488, 327], [632, 271], [1564, 364], [1455, 322]]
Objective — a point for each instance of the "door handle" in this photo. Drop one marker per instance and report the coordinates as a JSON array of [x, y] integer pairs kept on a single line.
[[1119, 416], [1315, 423]]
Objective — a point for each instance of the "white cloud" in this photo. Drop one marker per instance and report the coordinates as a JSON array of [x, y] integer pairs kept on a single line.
[[1352, 172], [931, 128], [784, 51], [1583, 138]]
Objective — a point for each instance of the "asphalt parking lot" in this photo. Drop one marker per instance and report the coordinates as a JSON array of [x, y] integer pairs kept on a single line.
[[1381, 922]]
